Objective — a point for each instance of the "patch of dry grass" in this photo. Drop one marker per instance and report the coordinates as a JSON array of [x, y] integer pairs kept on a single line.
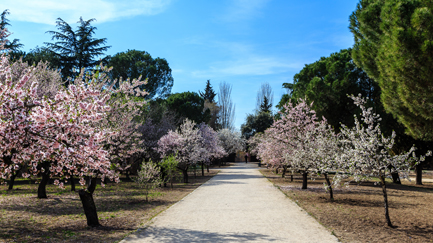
[[357, 214], [60, 218]]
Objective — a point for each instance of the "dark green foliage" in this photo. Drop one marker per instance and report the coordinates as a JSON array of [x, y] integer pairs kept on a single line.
[[133, 64], [208, 94], [327, 83], [265, 106], [13, 45], [76, 49], [188, 105], [256, 123], [398, 54], [42, 54]]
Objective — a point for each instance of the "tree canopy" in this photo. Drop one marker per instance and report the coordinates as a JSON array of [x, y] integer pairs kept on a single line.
[[133, 64], [327, 82], [13, 45], [256, 123], [78, 48], [208, 94], [188, 105], [397, 54]]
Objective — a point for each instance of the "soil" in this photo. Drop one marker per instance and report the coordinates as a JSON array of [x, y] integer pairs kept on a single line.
[[122, 208], [357, 213]]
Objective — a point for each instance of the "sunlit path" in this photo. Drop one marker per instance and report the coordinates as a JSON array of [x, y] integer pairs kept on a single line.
[[237, 205]]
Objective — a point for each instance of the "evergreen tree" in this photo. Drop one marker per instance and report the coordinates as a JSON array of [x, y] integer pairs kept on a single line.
[[397, 54], [133, 64], [327, 82], [208, 94], [4, 22], [78, 48], [265, 106]]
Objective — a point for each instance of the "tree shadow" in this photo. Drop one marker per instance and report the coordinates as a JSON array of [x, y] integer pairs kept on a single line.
[[164, 234]]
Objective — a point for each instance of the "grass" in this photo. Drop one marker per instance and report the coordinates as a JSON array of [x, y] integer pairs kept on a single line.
[[357, 213], [60, 218]]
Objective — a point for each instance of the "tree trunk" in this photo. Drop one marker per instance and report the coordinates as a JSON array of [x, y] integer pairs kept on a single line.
[[89, 206], [418, 170], [72, 183], [385, 199], [395, 178], [164, 177], [394, 175], [284, 171], [202, 169], [291, 177], [12, 181], [304, 180], [329, 188], [276, 170], [127, 176], [185, 175], [207, 167], [42, 188]]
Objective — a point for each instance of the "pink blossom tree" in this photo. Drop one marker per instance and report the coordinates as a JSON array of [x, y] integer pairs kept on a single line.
[[300, 142], [184, 144], [60, 136], [295, 132], [209, 147], [49, 82]]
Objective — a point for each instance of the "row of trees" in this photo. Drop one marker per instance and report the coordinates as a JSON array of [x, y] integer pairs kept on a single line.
[[194, 144], [92, 126], [301, 142], [322, 130], [75, 49]]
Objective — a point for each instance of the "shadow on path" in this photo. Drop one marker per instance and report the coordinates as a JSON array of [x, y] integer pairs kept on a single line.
[[163, 234]]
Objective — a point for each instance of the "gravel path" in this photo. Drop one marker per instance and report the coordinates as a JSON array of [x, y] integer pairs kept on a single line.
[[237, 205]]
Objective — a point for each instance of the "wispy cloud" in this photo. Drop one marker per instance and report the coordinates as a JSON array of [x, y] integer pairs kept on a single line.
[[240, 10], [243, 60], [248, 66], [47, 11]]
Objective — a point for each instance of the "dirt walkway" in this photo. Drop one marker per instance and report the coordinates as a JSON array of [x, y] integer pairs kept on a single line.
[[237, 205]]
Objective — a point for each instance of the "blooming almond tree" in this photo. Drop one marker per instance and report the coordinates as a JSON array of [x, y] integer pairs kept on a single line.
[[184, 144], [270, 150], [231, 141], [148, 177], [60, 136], [325, 152], [209, 147], [296, 132], [368, 151]]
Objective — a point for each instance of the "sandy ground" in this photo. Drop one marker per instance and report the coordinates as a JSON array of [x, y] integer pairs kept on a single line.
[[237, 205]]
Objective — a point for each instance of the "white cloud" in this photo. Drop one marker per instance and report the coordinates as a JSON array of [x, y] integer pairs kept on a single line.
[[243, 10], [47, 11], [243, 59], [257, 65]]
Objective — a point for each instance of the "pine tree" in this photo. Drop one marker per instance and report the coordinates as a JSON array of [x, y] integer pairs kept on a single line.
[[9, 45], [397, 54], [265, 106], [76, 49], [208, 93]]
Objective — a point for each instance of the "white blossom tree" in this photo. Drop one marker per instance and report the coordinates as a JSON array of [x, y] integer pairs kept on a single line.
[[148, 177], [368, 152]]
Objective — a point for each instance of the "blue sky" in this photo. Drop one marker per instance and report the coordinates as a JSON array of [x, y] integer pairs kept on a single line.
[[242, 42]]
